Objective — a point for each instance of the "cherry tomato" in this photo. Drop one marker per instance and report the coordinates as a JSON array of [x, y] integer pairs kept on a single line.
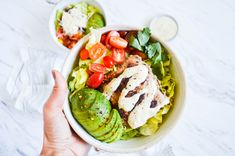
[[103, 38], [110, 34], [95, 80], [118, 55], [139, 53], [108, 61], [118, 42], [96, 51], [84, 54], [96, 67]]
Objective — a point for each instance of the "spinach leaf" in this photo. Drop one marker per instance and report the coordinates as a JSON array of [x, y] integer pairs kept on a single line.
[[135, 43], [144, 36]]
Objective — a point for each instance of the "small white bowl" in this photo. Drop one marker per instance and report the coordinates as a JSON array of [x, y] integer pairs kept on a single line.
[[63, 4], [139, 143]]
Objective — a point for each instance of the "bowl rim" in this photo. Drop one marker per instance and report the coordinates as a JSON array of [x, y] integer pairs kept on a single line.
[[61, 5], [100, 145]]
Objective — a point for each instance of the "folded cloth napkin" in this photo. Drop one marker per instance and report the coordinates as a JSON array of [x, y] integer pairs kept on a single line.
[[30, 84]]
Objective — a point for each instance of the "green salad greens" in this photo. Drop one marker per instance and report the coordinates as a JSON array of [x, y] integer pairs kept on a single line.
[[92, 13]]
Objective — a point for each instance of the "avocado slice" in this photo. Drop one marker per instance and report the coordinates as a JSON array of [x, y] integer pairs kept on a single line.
[[117, 135], [110, 133], [90, 108], [95, 21], [107, 126], [113, 131]]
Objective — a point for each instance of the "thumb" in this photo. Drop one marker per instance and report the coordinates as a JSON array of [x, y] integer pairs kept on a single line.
[[57, 97]]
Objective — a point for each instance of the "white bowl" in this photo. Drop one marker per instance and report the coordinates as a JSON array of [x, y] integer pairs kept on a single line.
[[63, 4], [135, 144]]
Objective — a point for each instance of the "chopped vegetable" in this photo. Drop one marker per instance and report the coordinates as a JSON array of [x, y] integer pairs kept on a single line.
[[96, 67], [110, 34], [79, 78], [118, 55], [84, 54], [95, 21], [95, 80], [118, 42], [135, 43], [144, 36], [108, 61], [97, 51]]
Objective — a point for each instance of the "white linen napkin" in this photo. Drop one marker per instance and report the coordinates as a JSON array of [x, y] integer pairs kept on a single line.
[[30, 82]]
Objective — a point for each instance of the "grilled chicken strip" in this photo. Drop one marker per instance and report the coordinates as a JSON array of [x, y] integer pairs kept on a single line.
[[136, 92]]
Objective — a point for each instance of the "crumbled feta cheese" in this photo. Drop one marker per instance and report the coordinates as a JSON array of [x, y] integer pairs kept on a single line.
[[73, 20]]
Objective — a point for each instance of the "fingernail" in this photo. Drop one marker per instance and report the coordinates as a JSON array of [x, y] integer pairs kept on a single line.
[[54, 74]]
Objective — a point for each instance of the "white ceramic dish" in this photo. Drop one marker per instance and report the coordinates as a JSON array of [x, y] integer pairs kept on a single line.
[[135, 144], [63, 4]]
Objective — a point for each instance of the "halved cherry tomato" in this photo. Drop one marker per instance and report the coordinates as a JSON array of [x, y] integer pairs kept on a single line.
[[110, 34], [108, 61], [139, 53], [96, 51], [118, 55], [103, 38], [118, 42], [96, 67], [84, 54], [95, 80]]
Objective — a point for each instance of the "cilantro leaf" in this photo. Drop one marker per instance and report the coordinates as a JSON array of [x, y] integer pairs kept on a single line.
[[151, 49], [135, 43], [144, 36], [157, 58]]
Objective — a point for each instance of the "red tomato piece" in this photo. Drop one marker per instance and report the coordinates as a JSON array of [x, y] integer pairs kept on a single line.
[[96, 67], [110, 34], [103, 38], [97, 51], [108, 61], [118, 55], [95, 80], [118, 42], [140, 53], [84, 54]]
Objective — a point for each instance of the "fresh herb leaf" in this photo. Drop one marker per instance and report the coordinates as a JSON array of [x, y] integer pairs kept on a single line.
[[158, 69], [135, 43], [144, 36], [157, 58], [151, 49]]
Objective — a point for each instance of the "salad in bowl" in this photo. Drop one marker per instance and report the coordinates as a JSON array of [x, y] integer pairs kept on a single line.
[[71, 20], [122, 89]]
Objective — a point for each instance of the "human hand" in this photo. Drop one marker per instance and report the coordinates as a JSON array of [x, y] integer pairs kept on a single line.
[[59, 138]]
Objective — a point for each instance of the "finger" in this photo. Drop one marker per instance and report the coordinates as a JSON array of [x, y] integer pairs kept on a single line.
[[57, 97]]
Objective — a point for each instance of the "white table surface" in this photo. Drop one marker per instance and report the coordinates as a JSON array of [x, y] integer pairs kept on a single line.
[[205, 44]]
